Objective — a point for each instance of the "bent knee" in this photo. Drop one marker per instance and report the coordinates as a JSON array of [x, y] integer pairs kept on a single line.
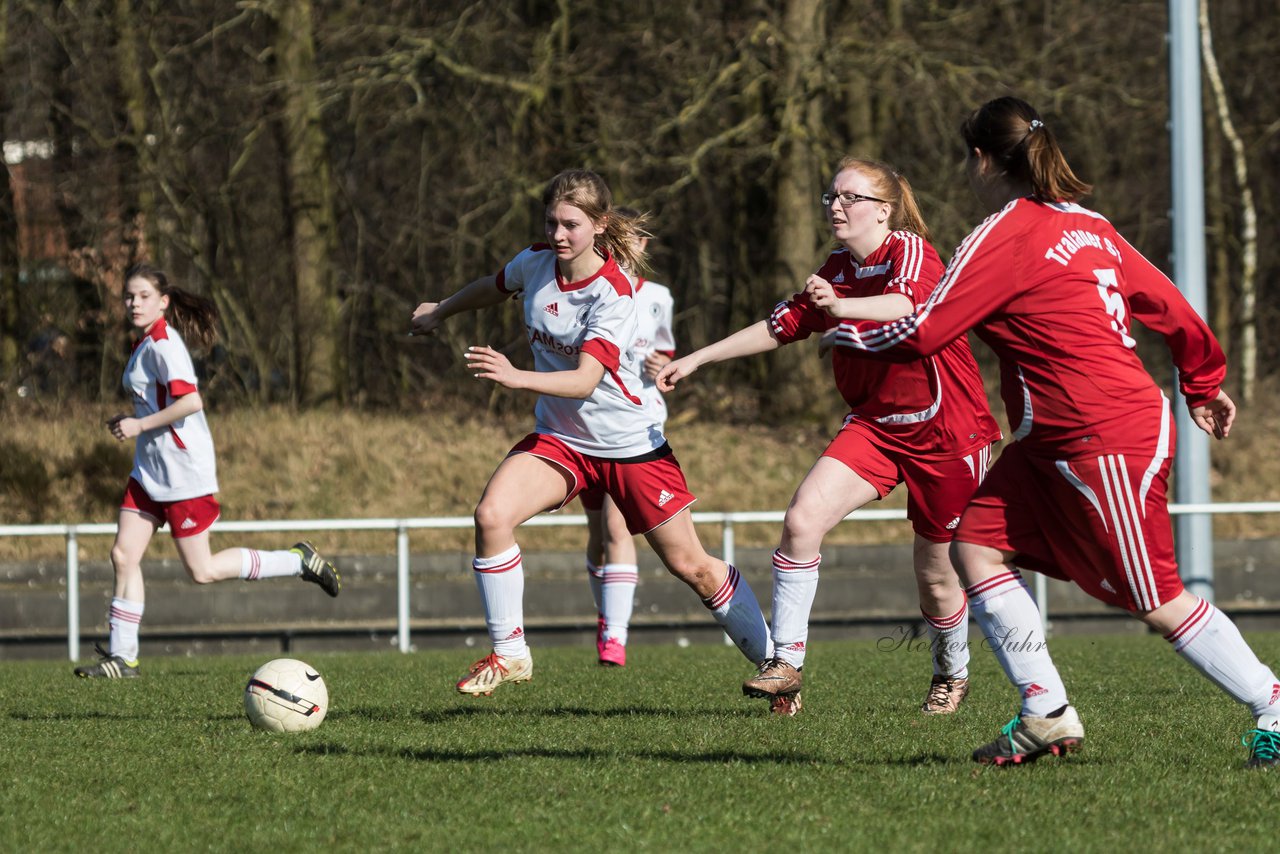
[[691, 569], [202, 574], [491, 516], [799, 529]]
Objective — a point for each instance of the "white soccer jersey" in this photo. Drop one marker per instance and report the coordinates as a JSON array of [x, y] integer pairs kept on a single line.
[[175, 462], [596, 316], [654, 310]]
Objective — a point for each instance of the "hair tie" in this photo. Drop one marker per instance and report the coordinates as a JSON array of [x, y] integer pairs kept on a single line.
[[1035, 123]]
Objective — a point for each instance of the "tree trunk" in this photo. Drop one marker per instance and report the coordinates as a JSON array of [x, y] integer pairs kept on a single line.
[[10, 264], [1248, 218], [795, 374], [318, 371]]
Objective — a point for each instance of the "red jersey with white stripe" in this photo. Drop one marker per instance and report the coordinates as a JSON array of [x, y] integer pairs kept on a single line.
[[596, 316], [175, 462], [654, 311], [935, 405], [1053, 289]]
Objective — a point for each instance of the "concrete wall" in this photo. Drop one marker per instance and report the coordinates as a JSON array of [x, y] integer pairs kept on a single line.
[[866, 591]]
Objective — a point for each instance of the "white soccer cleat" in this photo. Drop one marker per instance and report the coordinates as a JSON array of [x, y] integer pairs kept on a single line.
[[1026, 739], [494, 670]]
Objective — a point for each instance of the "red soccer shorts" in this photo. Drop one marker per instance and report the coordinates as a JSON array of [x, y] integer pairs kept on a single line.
[[648, 493], [937, 490], [1102, 522], [186, 518]]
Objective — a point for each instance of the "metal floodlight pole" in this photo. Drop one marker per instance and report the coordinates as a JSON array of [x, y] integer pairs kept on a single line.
[[1194, 532]]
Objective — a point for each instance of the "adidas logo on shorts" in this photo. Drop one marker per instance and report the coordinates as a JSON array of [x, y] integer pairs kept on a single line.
[[188, 524], [953, 524], [664, 497]]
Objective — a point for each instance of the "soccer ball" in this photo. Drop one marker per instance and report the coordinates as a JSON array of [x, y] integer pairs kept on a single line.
[[286, 695]]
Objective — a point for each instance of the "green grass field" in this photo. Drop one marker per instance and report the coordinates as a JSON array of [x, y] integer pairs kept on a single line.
[[664, 755]]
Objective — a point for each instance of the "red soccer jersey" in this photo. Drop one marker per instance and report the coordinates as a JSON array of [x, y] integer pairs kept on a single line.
[[1052, 288], [935, 405]]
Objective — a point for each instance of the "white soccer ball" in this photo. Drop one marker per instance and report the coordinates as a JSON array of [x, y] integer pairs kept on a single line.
[[286, 695]]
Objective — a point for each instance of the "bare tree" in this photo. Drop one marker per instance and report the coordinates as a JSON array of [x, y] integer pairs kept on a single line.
[[10, 264], [308, 189], [1248, 320]]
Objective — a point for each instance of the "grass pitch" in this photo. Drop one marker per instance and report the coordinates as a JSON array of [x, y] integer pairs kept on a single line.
[[662, 755]]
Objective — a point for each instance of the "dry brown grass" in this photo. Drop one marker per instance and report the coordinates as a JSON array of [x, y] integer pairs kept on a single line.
[[60, 465]]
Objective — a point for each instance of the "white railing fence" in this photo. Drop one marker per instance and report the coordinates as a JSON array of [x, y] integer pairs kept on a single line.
[[402, 527]]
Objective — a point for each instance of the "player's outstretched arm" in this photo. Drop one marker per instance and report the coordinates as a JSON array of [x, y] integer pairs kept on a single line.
[[1216, 416], [756, 338], [481, 293]]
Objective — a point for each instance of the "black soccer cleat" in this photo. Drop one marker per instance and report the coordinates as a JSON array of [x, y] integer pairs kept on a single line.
[[317, 570], [108, 667]]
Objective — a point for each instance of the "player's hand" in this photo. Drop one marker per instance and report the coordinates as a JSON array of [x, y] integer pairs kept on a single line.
[[486, 363], [674, 371], [123, 427], [828, 341], [655, 362], [426, 319], [1216, 416], [821, 294]]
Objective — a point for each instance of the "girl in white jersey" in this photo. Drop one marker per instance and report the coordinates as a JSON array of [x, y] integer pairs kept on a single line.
[[591, 430], [174, 475], [611, 551]]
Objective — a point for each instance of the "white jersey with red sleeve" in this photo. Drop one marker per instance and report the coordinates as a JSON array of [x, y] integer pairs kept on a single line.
[[654, 316], [175, 462], [934, 405], [1053, 289], [596, 316]]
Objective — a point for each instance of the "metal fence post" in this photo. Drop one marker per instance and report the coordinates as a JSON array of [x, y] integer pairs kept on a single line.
[[402, 585], [1042, 600], [73, 595]]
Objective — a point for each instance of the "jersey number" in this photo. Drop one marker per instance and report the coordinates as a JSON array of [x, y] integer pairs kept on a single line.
[[1113, 300]]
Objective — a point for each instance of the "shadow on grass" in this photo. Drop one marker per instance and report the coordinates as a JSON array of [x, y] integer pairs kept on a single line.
[[718, 757], [443, 715], [99, 715]]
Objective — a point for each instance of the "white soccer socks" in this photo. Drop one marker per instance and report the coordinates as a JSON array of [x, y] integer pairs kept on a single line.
[[618, 592], [255, 564], [795, 584], [1011, 624], [949, 643], [735, 608], [125, 617], [595, 577], [1213, 645], [501, 582]]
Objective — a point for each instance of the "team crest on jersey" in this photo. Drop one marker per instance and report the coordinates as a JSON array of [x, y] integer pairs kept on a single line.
[[584, 315]]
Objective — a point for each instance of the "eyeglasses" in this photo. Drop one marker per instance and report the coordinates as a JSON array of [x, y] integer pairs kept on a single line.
[[848, 200]]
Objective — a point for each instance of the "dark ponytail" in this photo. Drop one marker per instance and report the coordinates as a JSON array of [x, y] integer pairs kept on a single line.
[[1011, 132], [195, 317]]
